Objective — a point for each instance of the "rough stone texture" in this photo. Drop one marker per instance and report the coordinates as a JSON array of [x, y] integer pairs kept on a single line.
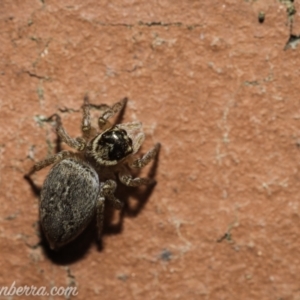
[[221, 93]]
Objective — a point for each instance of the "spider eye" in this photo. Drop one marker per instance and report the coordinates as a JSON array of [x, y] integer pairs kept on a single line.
[[117, 143]]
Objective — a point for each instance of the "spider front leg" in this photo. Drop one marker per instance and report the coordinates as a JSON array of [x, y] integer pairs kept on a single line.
[[86, 127], [109, 112], [131, 127], [77, 143], [107, 191], [127, 179], [141, 162]]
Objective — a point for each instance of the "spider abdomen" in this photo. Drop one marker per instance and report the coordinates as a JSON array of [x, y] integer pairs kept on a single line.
[[68, 200]]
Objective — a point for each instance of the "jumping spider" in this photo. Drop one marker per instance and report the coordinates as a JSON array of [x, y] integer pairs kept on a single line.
[[79, 182]]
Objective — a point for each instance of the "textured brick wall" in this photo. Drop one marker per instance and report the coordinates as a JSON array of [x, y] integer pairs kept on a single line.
[[217, 83]]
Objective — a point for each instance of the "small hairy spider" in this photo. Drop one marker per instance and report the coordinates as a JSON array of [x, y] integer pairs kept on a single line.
[[79, 182]]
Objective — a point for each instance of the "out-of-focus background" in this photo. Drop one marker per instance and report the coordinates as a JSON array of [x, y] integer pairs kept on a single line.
[[217, 83]]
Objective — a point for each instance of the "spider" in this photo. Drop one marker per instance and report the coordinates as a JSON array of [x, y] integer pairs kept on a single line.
[[80, 182]]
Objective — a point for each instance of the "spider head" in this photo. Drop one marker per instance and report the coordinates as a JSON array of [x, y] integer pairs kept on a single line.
[[111, 146]]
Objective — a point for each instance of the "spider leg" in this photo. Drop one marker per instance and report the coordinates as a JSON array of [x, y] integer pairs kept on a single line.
[[49, 161], [127, 179], [76, 143], [137, 142], [100, 214], [108, 190], [86, 127], [106, 193], [132, 126], [143, 161], [109, 112]]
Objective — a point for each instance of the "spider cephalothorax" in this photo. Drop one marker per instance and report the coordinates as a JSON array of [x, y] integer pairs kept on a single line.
[[79, 182], [111, 146]]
